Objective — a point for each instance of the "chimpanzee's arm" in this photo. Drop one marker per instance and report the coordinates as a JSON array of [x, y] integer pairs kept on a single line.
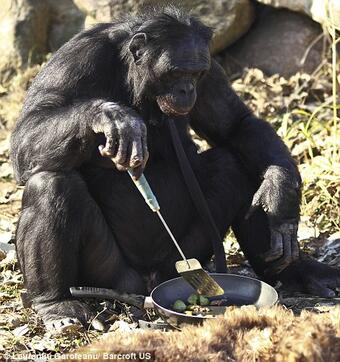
[[223, 119], [61, 139], [79, 93], [53, 139]]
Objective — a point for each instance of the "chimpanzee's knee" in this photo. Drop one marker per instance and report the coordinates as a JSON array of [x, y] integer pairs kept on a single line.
[[47, 187], [52, 222]]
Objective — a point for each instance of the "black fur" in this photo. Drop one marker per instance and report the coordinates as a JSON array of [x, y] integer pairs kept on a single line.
[[82, 221]]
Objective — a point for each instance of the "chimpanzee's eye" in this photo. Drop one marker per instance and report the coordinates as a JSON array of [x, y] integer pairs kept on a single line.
[[199, 75], [172, 75], [176, 74]]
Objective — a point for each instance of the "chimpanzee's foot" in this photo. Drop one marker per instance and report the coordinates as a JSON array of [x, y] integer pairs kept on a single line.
[[64, 325], [310, 276], [64, 316]]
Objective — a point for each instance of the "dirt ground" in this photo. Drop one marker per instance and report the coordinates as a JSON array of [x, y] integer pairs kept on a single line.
[[299, 109]]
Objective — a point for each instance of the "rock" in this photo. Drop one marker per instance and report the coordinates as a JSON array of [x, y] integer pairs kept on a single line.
[[4, 146], [23, 33], [5, 247], [280, 41], [65, 21], [230, 18], [6, 224], [6, 170], [330, 252], [306, 232], [29, 29], [315, 8], [334, 237], [21, 331], [2, 255], [123, 326], [10, 259], [5, 238], [14, 321]]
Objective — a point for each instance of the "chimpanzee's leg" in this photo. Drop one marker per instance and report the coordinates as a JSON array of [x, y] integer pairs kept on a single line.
[[228, 192], [63, 241]]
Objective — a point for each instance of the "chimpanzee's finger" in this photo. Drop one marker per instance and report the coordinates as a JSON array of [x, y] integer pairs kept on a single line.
[[136, 157], [123, 156], [144, 139], [137, 172], [317, 288], [287, 252], [101, 150], [282, 263], [276, 247], [294, 243], [287, 247], [111, 145], [333, 282], [145, 151], [104, 151]]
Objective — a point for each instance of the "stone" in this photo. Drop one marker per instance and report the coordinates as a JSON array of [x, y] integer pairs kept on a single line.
[[21, 331], [330, 252], [10, 259], [66, 20], [122, 326], [230, 18], [317, 9], [5, 238], [280, 41], [23, 34], [29, 29]]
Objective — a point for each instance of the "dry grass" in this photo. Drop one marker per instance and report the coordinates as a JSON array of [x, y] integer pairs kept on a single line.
[[12, 95], [300, 109]]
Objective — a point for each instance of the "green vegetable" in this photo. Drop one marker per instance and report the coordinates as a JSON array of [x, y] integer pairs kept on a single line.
[[203, 300], [193, 299], [179, 306]]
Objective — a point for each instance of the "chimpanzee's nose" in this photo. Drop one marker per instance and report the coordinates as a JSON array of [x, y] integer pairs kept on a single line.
[[186, 89]]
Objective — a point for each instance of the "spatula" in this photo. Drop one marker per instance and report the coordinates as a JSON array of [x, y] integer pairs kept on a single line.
[[190, 269]]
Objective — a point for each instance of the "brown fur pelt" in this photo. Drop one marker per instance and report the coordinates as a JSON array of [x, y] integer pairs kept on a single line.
[[243, 334]]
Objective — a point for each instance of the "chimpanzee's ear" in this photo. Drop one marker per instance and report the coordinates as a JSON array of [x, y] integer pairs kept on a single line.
[[136, 45]]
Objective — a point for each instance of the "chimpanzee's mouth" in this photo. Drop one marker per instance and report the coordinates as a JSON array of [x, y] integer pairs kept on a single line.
[[167, 108]]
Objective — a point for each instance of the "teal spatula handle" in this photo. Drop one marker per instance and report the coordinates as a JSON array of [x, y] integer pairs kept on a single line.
[[145, 189]]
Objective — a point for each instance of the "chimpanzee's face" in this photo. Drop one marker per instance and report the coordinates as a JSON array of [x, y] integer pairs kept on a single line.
[[168, 71], [178, 70]]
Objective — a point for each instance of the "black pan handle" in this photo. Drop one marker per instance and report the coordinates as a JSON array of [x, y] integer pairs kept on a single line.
[[109, 294]]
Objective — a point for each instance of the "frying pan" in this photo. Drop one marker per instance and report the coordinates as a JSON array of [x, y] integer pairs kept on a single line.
[[239, 290]]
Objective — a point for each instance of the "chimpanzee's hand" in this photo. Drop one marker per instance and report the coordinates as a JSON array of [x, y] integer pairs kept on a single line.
[[125, 132], [279, 197]]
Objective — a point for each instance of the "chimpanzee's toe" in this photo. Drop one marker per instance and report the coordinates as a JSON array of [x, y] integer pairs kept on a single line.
[[64, 325], [66, 315]]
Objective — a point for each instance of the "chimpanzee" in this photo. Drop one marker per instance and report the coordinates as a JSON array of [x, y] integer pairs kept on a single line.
[[100, 106]]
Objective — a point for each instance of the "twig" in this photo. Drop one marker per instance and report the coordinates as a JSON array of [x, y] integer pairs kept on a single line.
[[309, 48]]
